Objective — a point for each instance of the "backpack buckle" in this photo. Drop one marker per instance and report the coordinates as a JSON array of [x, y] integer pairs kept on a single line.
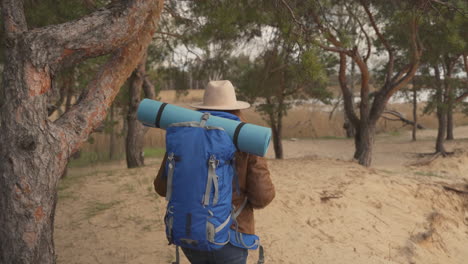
[[204, 118]]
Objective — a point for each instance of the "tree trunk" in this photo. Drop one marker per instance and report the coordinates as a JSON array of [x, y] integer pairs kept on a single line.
[[135, 130], [442, 122], [415, 111], [365, 144], [29, 157], [441, 113], [450, 119], [348, 125], [279, 140], [70, 83], [276, 126], [357, 144], [34, 150], [277, 143], [112, 137], [449, 95]]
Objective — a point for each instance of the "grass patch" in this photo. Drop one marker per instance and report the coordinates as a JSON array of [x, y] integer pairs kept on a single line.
[[387, 171], [154, 152], [138, 220], [94, 209], [150, 189], [394, 133], [129, 188], [147, 228], [91, 157], [71, 180], [145, 181], [62, 195]]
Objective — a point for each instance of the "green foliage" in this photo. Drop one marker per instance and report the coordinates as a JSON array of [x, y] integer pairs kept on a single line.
[[154, 152], [88, 158], [278, 78], [51, 12]]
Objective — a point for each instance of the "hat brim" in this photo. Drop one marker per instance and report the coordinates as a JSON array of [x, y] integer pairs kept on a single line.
[[238, 106]]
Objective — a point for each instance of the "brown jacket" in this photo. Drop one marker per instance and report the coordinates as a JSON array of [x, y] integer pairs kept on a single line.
[[254, 182]]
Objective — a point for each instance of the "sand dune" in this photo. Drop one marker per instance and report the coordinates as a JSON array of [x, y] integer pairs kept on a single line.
[[327, 210]]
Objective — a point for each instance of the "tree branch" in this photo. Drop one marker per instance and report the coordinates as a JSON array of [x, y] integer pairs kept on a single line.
[[94, 35], [461, 97], [14, 21], [175, 35], [347, 95], [333, 49], [361, 26], [291, 12], [148, 88], [465, 63], [391, 58], [412, 67], [400, 117], [76, 124]]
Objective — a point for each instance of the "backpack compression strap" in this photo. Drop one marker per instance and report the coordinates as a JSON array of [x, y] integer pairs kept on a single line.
[[170, 175], [158, 116], [236, 134]]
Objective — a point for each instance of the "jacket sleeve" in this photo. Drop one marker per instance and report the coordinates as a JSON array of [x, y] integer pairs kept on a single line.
[[260, 188], [160, 183]]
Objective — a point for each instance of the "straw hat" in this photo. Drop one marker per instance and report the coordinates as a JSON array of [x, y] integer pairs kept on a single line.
[[220, 95]]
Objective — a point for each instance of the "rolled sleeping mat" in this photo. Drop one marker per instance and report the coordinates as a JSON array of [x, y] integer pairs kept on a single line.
[[247, 137]]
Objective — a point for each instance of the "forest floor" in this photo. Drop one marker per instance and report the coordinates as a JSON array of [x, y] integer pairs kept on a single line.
[[328, 209]]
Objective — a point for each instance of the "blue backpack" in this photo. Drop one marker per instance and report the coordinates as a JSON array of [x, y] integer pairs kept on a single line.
[[199, 171]]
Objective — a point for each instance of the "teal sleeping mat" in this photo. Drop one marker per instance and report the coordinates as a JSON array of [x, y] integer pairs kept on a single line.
[[250, 138]]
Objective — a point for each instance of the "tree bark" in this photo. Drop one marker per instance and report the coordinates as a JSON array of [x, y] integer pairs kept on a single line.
[[449, 94], [442, 122], [276, 125], [134, 141], [34, 150], [348, 126], [277, 143], [357, 144], [112, 136], [450, 118], [135, 130], [366, 144], [441, 112], [70, 83]]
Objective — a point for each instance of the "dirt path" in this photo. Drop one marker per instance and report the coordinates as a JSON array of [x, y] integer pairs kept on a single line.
[[327, 209]]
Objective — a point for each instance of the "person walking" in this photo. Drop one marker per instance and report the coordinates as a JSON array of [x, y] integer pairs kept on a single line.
[[252, 186]]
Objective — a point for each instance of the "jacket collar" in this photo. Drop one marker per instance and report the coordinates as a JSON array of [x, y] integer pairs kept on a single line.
[[222, 114]]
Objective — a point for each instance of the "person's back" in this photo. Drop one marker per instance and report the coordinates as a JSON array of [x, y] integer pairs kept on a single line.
[[252, 188]]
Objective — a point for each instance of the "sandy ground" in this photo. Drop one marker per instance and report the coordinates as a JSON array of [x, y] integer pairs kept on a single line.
[[328, 209]]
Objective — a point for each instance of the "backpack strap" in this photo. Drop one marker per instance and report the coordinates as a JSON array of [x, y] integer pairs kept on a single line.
[[238, 211], [212, 179], [170, 175], [177, 256], [236, 134], [261, 255], [158, 116], [204, 118]]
